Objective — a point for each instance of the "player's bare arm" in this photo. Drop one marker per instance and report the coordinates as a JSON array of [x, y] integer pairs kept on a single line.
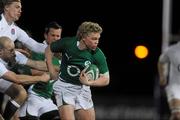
[[50, 66], [25, 79], [40, 65], [162, 76], [103, 80]]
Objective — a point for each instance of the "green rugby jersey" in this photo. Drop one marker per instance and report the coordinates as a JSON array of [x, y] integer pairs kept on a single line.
[[74, 60], [41, 88]]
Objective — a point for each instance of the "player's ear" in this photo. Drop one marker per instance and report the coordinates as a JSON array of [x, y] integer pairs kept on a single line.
[[6, 8]]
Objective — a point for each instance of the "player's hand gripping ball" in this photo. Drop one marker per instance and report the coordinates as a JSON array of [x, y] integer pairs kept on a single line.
[[92, 72]]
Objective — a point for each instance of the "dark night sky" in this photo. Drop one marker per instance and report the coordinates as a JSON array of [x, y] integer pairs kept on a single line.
[[125, 24]]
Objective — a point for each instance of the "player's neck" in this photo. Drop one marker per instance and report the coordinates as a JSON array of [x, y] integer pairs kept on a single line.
[[8, 19], [82, 45]]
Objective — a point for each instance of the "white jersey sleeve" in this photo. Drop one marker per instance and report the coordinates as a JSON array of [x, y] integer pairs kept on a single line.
[[3, 69], [20, 58], [29, 42]]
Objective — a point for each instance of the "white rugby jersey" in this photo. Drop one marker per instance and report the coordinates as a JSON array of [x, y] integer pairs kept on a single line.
[[172, 56], [3, 68], [15, 33]]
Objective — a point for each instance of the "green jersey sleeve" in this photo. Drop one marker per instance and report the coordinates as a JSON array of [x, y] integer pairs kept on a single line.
[[100, 61]]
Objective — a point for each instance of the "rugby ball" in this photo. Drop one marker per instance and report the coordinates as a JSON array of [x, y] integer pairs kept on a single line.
[[92, 72]]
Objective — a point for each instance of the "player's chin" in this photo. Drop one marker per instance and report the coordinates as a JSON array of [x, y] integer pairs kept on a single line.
[[94, 47], [16, 18]]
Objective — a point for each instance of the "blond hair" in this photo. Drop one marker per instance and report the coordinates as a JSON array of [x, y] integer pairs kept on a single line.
[[86, 28]]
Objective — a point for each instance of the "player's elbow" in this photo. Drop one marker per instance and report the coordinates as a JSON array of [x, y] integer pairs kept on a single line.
[[107, 81], [106, 77], [104, 81]]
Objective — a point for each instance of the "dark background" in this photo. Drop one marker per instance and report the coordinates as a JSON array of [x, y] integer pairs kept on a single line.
[[125, 23]]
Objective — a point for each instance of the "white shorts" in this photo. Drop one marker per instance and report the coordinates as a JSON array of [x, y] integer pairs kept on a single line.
[[36, 106], [77, 95], [173, 91], [4, 85]]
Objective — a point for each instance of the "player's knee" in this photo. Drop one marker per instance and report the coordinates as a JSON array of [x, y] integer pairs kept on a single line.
[[22, 94], [16, 92]]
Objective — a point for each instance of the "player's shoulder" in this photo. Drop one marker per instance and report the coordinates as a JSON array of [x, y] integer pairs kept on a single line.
[[98, 51], [171, 50], [69, 41], [174, 47], [70, 38]]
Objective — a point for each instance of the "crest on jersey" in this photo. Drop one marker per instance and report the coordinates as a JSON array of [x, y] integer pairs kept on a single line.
[[12, 31]]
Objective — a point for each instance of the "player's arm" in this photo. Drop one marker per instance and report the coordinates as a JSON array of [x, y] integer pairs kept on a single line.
[[36, 72], [22, 59], [36, 46], [103, 80], [51, 69], [162, 70], [29, 42], [104, 77], [25, 79], [27, 54], [39, 65]]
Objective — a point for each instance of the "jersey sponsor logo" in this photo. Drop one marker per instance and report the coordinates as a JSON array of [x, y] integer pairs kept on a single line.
[[12, 31]]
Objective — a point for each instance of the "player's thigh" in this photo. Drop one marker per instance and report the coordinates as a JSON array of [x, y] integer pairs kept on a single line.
[[173, 95], [172, 91], [66, 112], [174, 103], [82, 114]]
